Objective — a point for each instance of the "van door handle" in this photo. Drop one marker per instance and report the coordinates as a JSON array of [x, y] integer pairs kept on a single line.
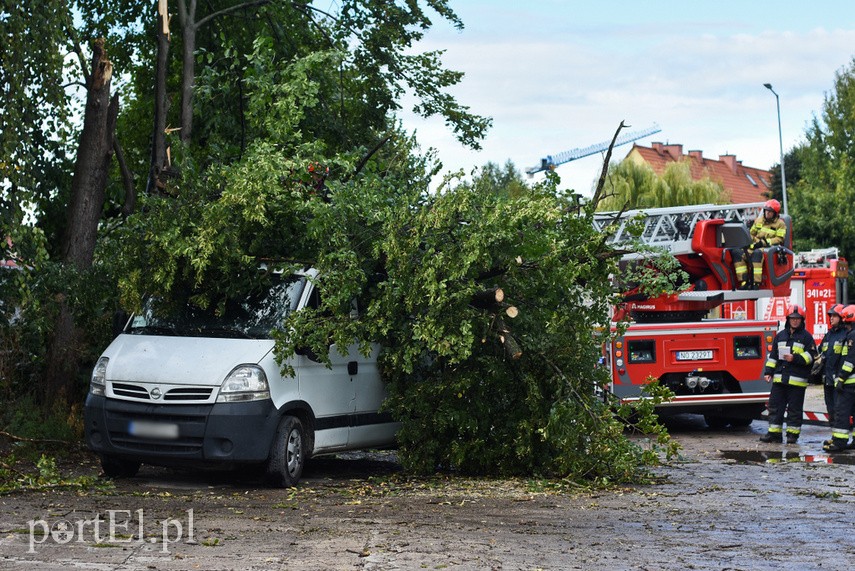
[[352, 368]]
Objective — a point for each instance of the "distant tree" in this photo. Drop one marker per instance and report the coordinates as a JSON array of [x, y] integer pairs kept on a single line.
[[630, 185], [792, 170], [822, 202]]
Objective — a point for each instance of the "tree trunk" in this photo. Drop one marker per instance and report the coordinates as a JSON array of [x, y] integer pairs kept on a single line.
[[158, 138], [88, 187]]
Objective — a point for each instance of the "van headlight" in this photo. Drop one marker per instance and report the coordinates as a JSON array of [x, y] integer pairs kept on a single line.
[[98, 382], [244, 383]]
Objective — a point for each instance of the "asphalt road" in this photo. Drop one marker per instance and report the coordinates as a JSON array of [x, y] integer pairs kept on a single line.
[[730, 502]]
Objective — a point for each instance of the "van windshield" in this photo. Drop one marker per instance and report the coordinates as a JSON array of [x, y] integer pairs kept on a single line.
[[252, 316]]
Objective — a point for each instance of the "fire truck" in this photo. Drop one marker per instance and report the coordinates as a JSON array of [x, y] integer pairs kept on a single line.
[[714, 366]]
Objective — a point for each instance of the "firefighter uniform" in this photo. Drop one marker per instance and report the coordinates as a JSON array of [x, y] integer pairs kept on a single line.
[[844, 386], [789, 378], [831, 354], [767, 231]]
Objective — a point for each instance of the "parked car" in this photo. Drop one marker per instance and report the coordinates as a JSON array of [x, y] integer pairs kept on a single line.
[[181, 386]]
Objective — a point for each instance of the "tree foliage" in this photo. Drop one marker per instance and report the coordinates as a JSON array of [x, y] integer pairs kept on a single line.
[[631, 186], [296, 159], [822, 202]]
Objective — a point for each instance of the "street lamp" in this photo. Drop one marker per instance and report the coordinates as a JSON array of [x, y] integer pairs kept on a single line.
[[781, 144]]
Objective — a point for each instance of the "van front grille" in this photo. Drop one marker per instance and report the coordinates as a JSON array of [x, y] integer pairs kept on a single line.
[[178, 394]]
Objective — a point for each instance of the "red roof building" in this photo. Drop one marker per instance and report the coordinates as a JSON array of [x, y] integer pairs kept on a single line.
[[744, 184]]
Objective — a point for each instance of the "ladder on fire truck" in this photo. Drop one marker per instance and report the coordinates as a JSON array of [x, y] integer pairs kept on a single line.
[[671, 227]]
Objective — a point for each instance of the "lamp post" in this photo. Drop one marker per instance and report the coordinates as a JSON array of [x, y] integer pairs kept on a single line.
[[781, 146]]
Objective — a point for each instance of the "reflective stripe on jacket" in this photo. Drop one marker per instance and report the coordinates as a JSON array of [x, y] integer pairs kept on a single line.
[[847, 362], [773, 232], [801, 344], [831, 348]]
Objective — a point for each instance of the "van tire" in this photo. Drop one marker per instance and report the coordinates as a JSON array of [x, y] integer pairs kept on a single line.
[[288, 453], [115, 467]]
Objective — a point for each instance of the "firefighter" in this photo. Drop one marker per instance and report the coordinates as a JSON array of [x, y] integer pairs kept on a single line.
[[788, 367], [768, 230], [844, 386], [831, 355]]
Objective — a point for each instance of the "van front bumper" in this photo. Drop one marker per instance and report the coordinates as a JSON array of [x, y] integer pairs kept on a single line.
[[221, 433]]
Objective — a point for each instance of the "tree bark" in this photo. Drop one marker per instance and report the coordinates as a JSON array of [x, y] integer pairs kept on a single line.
[[94, 153], [88, 186]]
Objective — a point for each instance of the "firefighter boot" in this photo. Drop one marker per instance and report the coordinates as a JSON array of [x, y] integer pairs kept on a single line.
[[772, 437], [792, 438], [836, 445]]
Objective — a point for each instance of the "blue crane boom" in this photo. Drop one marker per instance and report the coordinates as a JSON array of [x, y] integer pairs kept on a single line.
[[552, 161]]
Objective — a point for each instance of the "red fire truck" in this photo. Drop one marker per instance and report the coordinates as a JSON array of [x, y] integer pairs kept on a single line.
[[714, 366]]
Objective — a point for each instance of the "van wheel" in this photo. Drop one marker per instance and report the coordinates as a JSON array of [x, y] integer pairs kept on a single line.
[[115, 467], [716, 422], [288, 454]]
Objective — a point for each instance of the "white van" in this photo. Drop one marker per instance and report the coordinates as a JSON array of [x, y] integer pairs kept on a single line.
[[183, 387]]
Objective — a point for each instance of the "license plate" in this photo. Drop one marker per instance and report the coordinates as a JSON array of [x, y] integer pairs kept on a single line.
[[144, 429], [703, 355]]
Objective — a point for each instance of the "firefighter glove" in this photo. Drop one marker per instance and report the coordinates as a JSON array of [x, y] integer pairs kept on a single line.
[[838, 383]]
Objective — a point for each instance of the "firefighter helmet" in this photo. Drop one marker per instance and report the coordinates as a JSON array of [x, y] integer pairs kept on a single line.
[[773, 205], [847, 314], [796, 311], [836, 309]]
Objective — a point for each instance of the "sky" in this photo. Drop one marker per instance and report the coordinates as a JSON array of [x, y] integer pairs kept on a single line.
[[556, 75]]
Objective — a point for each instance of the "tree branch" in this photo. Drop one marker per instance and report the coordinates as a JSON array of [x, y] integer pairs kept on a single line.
[[602, 181], [229, 10]]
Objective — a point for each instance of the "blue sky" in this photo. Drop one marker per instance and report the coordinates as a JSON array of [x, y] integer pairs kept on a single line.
[[557, 75]]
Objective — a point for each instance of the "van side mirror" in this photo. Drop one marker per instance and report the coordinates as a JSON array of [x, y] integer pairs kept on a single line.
[[307, 353]]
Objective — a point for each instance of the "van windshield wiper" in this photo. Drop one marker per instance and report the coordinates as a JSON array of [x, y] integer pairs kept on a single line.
[[225, 332], [152, 330]]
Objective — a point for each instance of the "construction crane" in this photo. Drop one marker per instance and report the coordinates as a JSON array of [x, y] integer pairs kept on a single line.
[[552, 161]]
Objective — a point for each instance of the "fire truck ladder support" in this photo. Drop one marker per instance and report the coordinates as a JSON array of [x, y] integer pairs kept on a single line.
[[671, 228]]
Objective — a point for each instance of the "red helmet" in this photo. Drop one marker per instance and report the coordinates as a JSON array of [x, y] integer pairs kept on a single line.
[[796, 311], [836, 309], [847, 314], [773, 205]]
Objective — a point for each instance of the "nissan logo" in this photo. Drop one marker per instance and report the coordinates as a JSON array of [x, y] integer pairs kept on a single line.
[[155, 393]]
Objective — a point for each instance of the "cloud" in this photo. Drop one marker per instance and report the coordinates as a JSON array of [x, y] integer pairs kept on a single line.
[[702, 83]]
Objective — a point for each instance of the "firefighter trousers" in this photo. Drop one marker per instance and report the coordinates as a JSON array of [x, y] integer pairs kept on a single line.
[[844, 403], [828, 392], [789, 400]]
